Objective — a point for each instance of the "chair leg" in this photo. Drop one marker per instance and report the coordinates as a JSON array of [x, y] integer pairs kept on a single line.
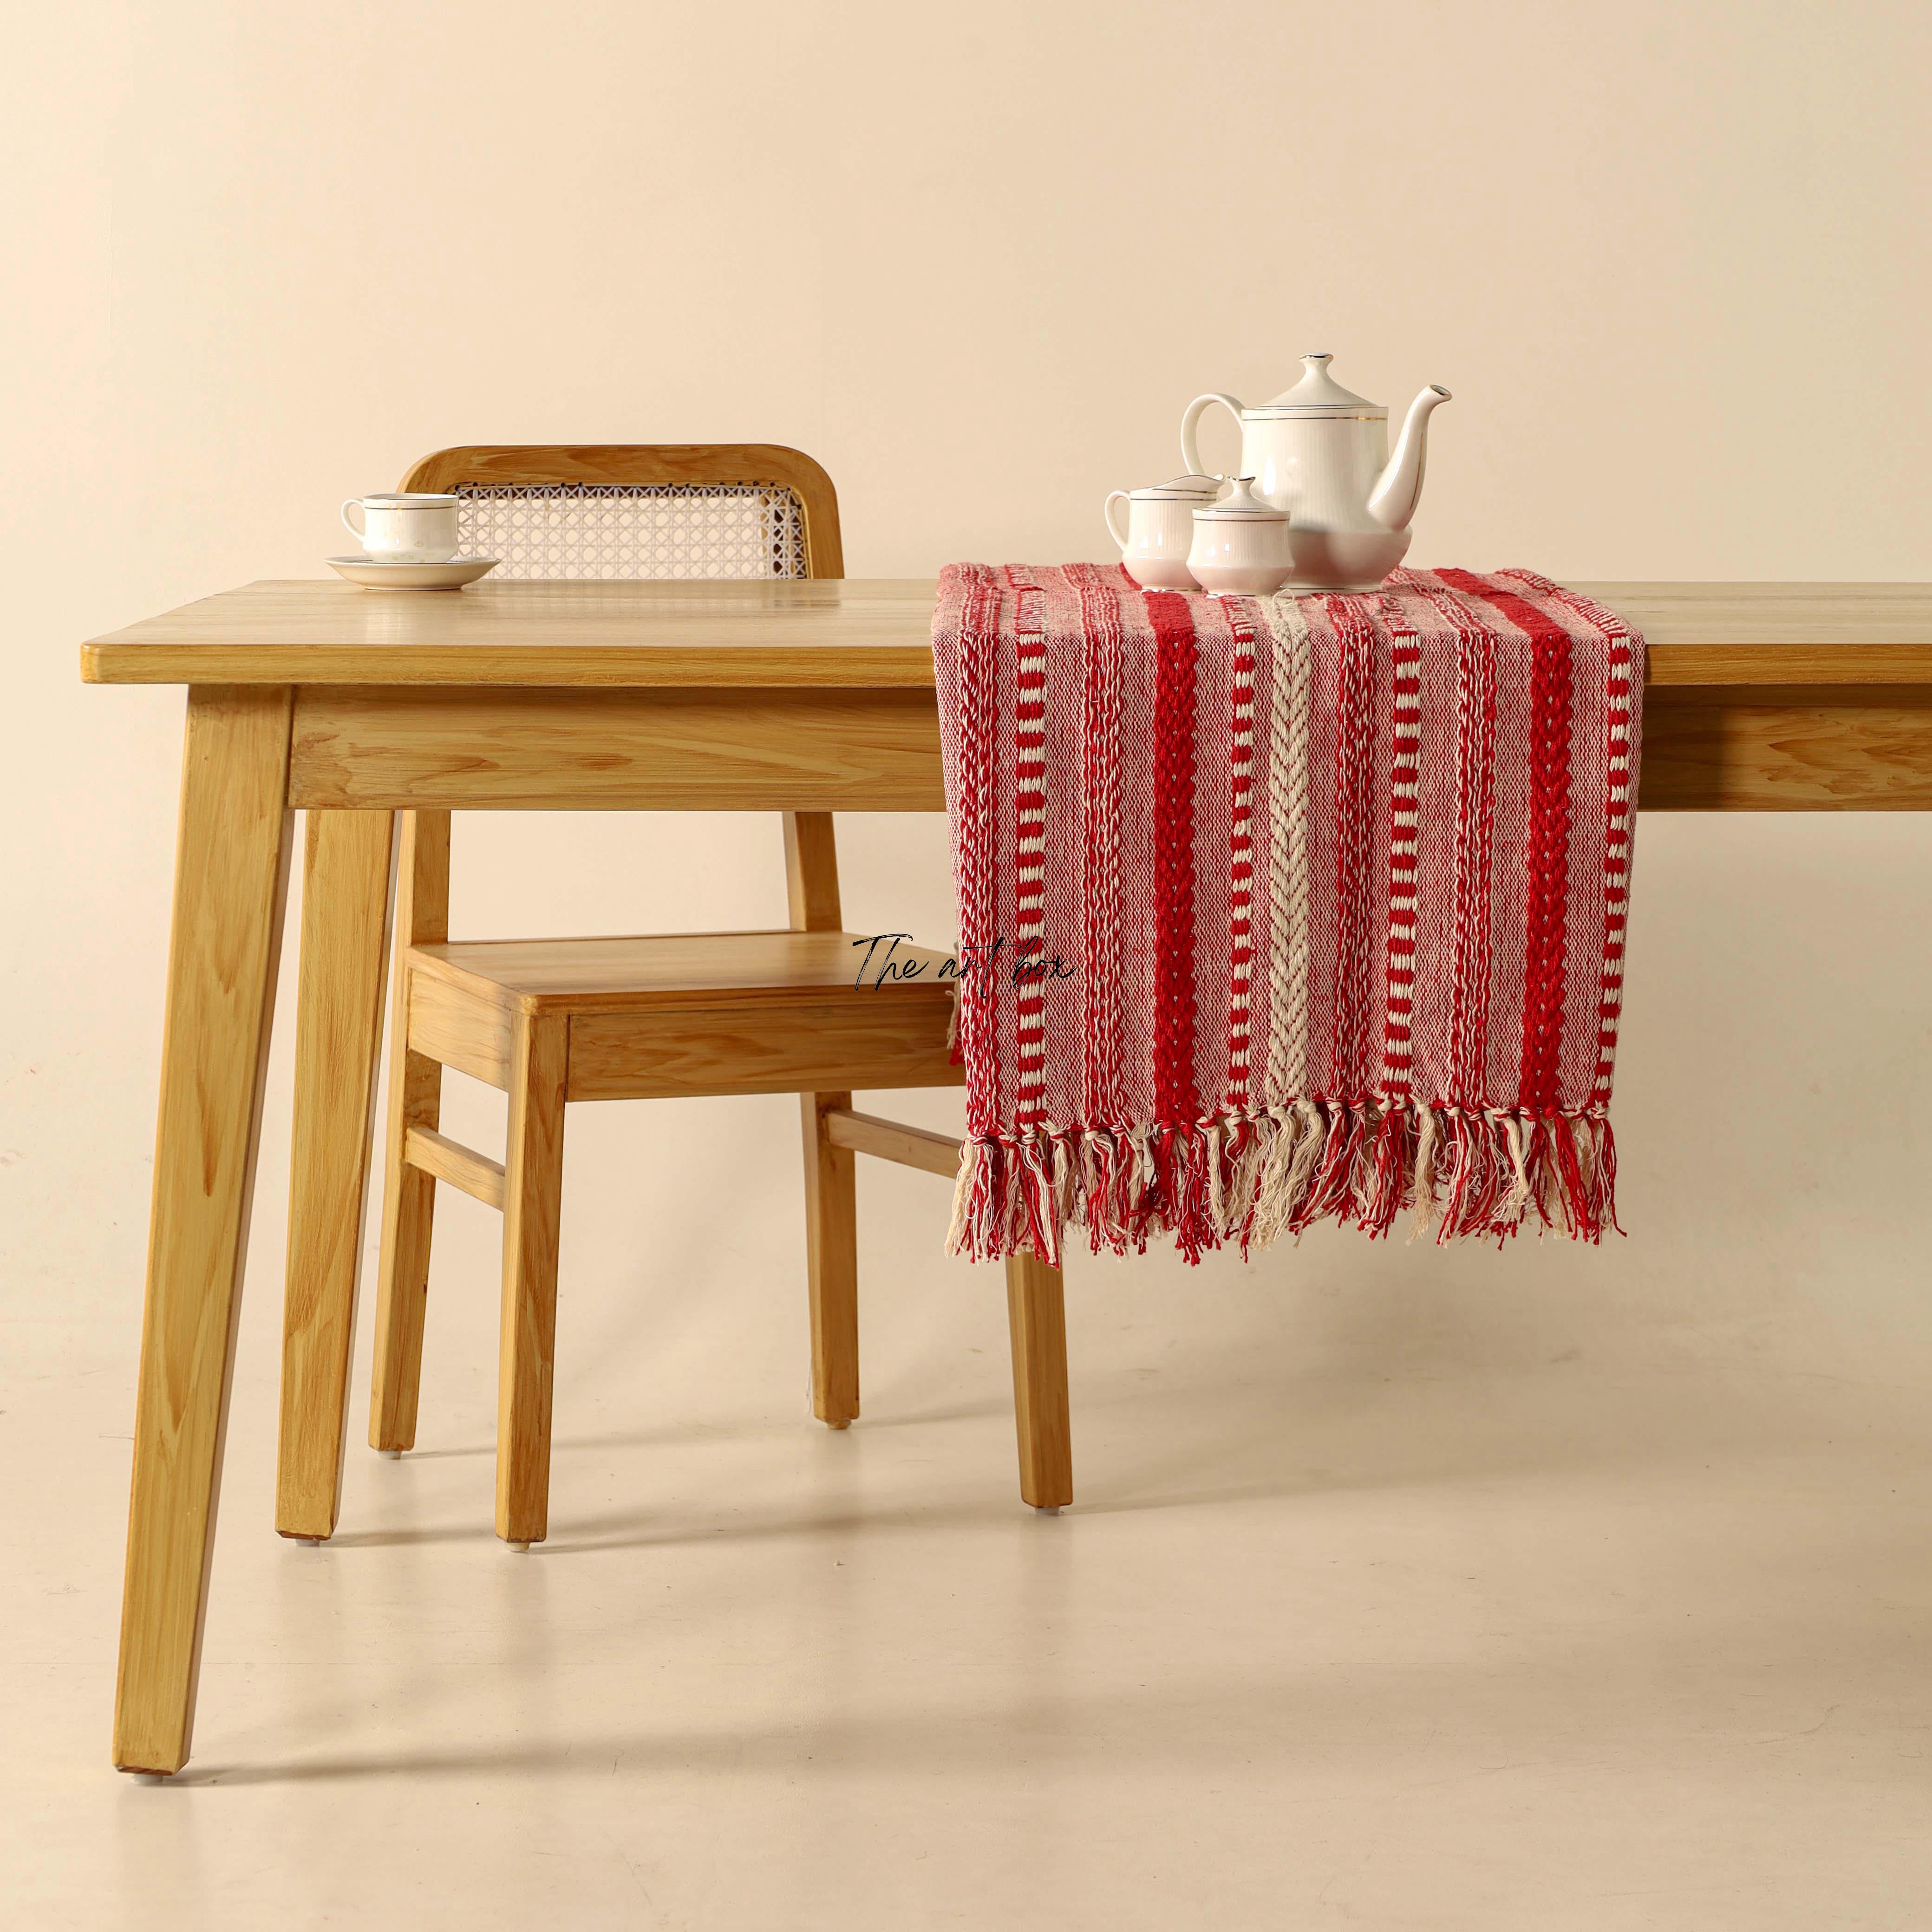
[[1036, 1313], [831, 1206], [416, 1100], [832, 1253], [811, 871], [532, 1202]]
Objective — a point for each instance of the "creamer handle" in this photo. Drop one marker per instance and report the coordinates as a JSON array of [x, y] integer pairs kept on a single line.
[[1113, 530], [1190, 449]]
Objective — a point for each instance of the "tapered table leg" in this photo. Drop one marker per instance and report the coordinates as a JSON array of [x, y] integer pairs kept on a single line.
[[345, 944], [1036, 1312], [231, 885]]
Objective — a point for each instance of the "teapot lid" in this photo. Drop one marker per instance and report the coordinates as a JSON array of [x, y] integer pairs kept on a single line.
[[1318, 393], [1240, 503], [1177, 486]]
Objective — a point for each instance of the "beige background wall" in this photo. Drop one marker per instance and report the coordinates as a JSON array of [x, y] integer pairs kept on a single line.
[[1671, 259]]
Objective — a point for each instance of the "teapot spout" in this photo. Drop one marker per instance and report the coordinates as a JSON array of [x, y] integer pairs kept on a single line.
[[1392, 501]]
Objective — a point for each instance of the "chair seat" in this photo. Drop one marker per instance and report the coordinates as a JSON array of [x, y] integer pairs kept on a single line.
[[669, 1014], [602, 975]]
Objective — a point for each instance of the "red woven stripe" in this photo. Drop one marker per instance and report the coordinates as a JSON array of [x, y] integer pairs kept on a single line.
[[1475, 803], [1545, 937], [1355, 825], [1620, 802], [1029, 841], [1101, 642], [1241, 619], [976, 809], [1405, 660], [1174, 857]]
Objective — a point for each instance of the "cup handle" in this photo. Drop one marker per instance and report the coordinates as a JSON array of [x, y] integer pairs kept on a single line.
[[354, 503], [1113, 528], [1190, 447]]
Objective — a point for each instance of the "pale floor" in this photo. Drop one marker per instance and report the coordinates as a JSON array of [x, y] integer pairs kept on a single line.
[[1558, 1642], [1546, 1590]]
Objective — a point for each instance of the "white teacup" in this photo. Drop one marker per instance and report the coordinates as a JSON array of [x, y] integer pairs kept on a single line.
[[405, 527]]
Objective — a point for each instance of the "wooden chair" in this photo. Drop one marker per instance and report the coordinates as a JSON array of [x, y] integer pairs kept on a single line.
[[550, 1022]]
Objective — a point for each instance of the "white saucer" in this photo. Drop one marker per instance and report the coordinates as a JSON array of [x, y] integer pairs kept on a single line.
[[374, 573]]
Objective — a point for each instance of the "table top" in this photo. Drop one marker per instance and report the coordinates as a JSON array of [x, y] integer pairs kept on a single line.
[[857, 633]]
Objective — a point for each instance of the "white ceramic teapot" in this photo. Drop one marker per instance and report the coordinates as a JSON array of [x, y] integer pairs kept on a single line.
[[1318, 452]]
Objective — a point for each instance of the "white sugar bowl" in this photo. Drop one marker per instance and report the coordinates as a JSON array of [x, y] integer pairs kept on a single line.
[[1240, 545], [1160, 530]]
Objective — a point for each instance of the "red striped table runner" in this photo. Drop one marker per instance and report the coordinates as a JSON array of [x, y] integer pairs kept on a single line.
[[1281, 910]]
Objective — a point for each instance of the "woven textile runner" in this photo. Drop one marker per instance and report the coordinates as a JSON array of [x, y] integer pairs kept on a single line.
[[1284, 909]]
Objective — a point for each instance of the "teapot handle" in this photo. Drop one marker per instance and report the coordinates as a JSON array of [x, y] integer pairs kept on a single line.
[[1113, 528], [1190, 447]]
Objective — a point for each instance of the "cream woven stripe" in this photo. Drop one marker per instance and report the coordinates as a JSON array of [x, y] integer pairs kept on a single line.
[[1288, 850]]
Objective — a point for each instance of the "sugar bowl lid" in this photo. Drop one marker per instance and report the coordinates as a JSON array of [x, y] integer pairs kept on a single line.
[[1239, 506], [1192, 488]]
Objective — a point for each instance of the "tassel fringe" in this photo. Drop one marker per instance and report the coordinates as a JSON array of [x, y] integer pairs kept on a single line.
[[1246, 1180]]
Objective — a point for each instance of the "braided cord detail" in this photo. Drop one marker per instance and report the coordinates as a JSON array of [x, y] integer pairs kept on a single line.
[[1475, 826], [1101, 637], [1289, 690]]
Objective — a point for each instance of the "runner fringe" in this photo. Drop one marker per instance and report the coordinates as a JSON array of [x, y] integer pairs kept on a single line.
[[1249, 1179]]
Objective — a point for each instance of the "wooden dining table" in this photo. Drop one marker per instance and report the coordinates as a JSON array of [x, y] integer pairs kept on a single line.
[[353, 705]]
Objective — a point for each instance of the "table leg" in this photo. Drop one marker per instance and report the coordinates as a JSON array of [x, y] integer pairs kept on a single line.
[[345, 944], [231, 885], [1036, 1312]]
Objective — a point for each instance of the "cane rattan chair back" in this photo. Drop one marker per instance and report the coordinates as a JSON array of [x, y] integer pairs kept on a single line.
[[691, 510]]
